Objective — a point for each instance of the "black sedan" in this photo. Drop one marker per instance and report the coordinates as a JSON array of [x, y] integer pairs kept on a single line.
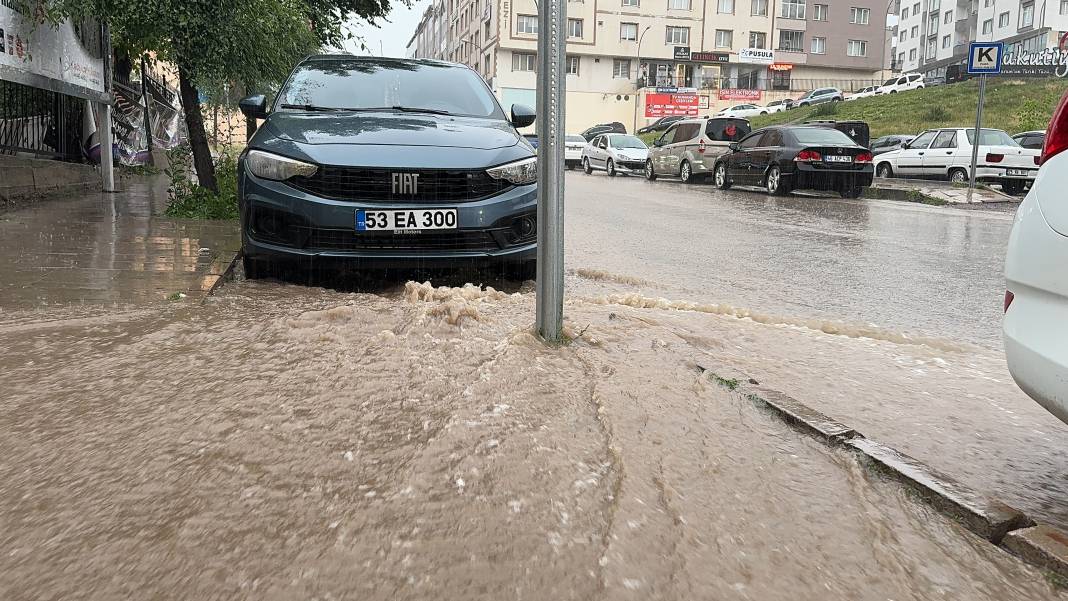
[[788, 158], [660, 124]]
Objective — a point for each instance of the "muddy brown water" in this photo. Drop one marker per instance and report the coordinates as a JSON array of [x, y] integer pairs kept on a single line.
[[284, 442]]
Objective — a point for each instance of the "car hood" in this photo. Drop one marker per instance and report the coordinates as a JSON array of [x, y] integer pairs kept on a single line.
[[632, 153], [392, 130]]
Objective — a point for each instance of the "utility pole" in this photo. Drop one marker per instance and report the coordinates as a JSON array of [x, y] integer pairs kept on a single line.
[[550, 130], [104, 134], [638, 68]]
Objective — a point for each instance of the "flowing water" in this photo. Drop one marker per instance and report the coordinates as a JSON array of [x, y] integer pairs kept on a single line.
[[288, 442]]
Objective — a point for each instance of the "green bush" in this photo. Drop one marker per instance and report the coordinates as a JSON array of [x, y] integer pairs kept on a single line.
[[189, 200], [937, 113], [827, 109]]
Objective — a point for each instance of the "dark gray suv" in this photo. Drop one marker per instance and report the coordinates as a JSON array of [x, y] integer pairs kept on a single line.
[[388, 163]]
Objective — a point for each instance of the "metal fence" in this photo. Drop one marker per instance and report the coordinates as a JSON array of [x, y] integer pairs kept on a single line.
[[762, 84], [40, 123]]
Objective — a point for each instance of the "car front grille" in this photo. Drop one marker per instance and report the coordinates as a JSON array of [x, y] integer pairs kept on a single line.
[[329, 239], [434, 185]]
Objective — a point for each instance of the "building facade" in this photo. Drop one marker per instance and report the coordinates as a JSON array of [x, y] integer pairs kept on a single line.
[[933, 35]]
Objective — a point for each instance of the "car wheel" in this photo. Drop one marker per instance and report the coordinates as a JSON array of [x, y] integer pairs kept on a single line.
[[893, 91], [958, 176], [763, 112], [885, 171], [836, 99], [774, 183], [722, 182], [1012, 187], [611, 168], [803, 105], [686, 172], [586, 165], [650, 173]]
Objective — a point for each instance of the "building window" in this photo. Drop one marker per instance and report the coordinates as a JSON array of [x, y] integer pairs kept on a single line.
[[678, 4], [1027, 15], [526, 24], [915, 31], [792, 41], [630, 2], [904, 13], [819, 45], [759, 8], [945, 41], [628, 31], [900, 59], [819, 12], [949, 17], [857, 48], [574, 28], [793, 9], [988, 26], [758, 39], [912, 54], [1064, 7], [726, 7], [572, 65], [523, 61], [860, 16], [932, 48], [904, 35], [678, 35], [916, 8], [621, 68], [724, 38], [1003, 20], [780, 80]]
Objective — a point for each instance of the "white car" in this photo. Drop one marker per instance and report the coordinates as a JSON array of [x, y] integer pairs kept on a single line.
[[743, 110], [777, 106], [947, 154], [614, 154], [1036, 297], [573, 145], [863, 93], [908, 81]]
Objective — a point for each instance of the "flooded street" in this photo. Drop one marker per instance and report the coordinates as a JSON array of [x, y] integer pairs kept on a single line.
[[281, 441]]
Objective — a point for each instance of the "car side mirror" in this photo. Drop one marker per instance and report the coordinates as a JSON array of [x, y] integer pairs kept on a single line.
[[522, 115], [254, 107], [734, 147], [657, 143], [905, 145]]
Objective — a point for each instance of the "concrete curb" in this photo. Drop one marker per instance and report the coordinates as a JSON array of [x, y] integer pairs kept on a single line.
[[226, 273], [1041, 546]]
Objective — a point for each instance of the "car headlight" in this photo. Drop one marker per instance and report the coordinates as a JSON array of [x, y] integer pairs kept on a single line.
[[279, 168], [518, 173]]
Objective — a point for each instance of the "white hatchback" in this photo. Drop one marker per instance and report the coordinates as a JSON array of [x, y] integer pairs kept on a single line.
[[743, 110], [1036, 297], [909, 81]]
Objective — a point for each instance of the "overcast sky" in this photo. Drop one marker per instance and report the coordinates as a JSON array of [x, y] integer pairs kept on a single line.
[[390, 38]]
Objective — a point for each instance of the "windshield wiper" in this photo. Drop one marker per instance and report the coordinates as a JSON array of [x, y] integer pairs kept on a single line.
[[311, 108], [404, 109]]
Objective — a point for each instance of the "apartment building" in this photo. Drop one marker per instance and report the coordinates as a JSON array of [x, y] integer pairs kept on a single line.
[[933, 35], [617, 47]]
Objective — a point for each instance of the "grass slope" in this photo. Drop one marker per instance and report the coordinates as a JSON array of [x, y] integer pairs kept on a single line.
[[1011, 105]]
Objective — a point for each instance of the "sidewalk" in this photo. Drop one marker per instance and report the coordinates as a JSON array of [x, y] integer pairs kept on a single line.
[[942, 191], [109, 248]]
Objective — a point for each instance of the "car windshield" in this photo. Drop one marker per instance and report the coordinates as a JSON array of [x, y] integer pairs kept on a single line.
[[821, 136], [991, 137], [577, 139], [626, 142], [890, 82], [389, 85]]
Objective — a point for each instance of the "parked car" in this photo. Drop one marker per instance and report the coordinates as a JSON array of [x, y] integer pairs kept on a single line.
[[931, 82], [660, 124], [1036, 297], [614, 127], [947, 153], [614, 154], [908, 81], [863, 93], [805, 157], [858, 131], [689, 148], [819, 96], [573, 146], [742, 110], [351, 155], [778, 106], [888, 143], [1031, 139]]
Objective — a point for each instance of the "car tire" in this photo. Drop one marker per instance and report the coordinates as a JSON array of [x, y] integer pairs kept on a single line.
[[763, 113], [893, 91], [884, 170], [803, 105], [836, 99], [1012, 187], [958, 176], [650, 173], [722, 181], [586, 165], [610, 167], [773, 182], [686, 173]]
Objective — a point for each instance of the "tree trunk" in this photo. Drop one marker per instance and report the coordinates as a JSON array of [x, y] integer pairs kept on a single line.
[[250, 122], [198, 139]]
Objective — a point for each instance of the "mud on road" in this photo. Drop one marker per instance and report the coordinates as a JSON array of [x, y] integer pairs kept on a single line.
[[284, 442]]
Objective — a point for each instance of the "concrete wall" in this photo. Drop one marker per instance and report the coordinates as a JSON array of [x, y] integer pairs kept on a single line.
[[23, 178]]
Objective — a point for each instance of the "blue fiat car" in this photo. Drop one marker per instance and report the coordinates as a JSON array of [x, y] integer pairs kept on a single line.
[[388, 163]]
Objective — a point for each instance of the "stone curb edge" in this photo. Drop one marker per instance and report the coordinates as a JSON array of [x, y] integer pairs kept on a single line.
[[226, 275], [1010, 529]]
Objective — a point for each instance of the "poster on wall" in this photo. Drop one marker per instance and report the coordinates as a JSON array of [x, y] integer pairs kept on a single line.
[[67, 58], [671, 105], [738, 94]]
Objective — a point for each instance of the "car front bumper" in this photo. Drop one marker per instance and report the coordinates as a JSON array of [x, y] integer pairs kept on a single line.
[[280, 222]]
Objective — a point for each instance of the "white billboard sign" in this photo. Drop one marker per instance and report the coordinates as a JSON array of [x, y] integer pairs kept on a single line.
[[66, 58], [756, 56]]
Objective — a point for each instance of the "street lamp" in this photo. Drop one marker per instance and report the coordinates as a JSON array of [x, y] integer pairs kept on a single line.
[[638, 71], [638, 56], [889, 5]]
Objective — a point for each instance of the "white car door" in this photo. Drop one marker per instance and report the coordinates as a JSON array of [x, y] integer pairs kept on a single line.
[[941, 154], [909, 160]]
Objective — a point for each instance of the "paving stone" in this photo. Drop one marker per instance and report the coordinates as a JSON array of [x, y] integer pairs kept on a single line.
[[1041, 545]]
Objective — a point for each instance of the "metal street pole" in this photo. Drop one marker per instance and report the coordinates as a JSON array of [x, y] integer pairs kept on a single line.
[[975, 141], [104, 134], [638, 68], [550, 130]]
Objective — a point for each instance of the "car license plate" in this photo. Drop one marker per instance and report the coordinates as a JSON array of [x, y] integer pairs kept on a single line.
[[1020, 172], [836, 158], [405, 220]]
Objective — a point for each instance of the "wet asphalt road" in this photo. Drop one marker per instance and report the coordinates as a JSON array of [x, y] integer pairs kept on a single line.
[[908, 267]]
